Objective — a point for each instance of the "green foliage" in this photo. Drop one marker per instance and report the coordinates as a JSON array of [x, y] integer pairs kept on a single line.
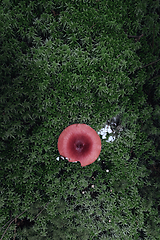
[[66, 62]]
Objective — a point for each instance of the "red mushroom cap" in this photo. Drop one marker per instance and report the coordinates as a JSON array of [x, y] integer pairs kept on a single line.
[[79, 142]]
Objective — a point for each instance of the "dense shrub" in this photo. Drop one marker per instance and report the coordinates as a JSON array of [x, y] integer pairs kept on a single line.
[[66, 62]]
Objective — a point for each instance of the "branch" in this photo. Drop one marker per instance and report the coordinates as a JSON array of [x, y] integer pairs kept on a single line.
[[137, 38], [16, 219], [150, 63], [10, 223], [41, 210]]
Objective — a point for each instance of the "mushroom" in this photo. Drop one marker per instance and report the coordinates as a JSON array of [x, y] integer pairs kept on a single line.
[[79, 142]]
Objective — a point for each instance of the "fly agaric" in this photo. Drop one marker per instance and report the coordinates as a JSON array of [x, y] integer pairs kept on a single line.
[[79, 142]]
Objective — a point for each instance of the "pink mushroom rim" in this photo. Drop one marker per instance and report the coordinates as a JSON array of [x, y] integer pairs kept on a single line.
[[79, 142]]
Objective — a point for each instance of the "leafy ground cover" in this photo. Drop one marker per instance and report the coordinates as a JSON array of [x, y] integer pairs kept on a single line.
[[67, 62]]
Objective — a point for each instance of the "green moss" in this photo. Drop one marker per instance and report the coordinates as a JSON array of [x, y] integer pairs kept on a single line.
[[66, 62]]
